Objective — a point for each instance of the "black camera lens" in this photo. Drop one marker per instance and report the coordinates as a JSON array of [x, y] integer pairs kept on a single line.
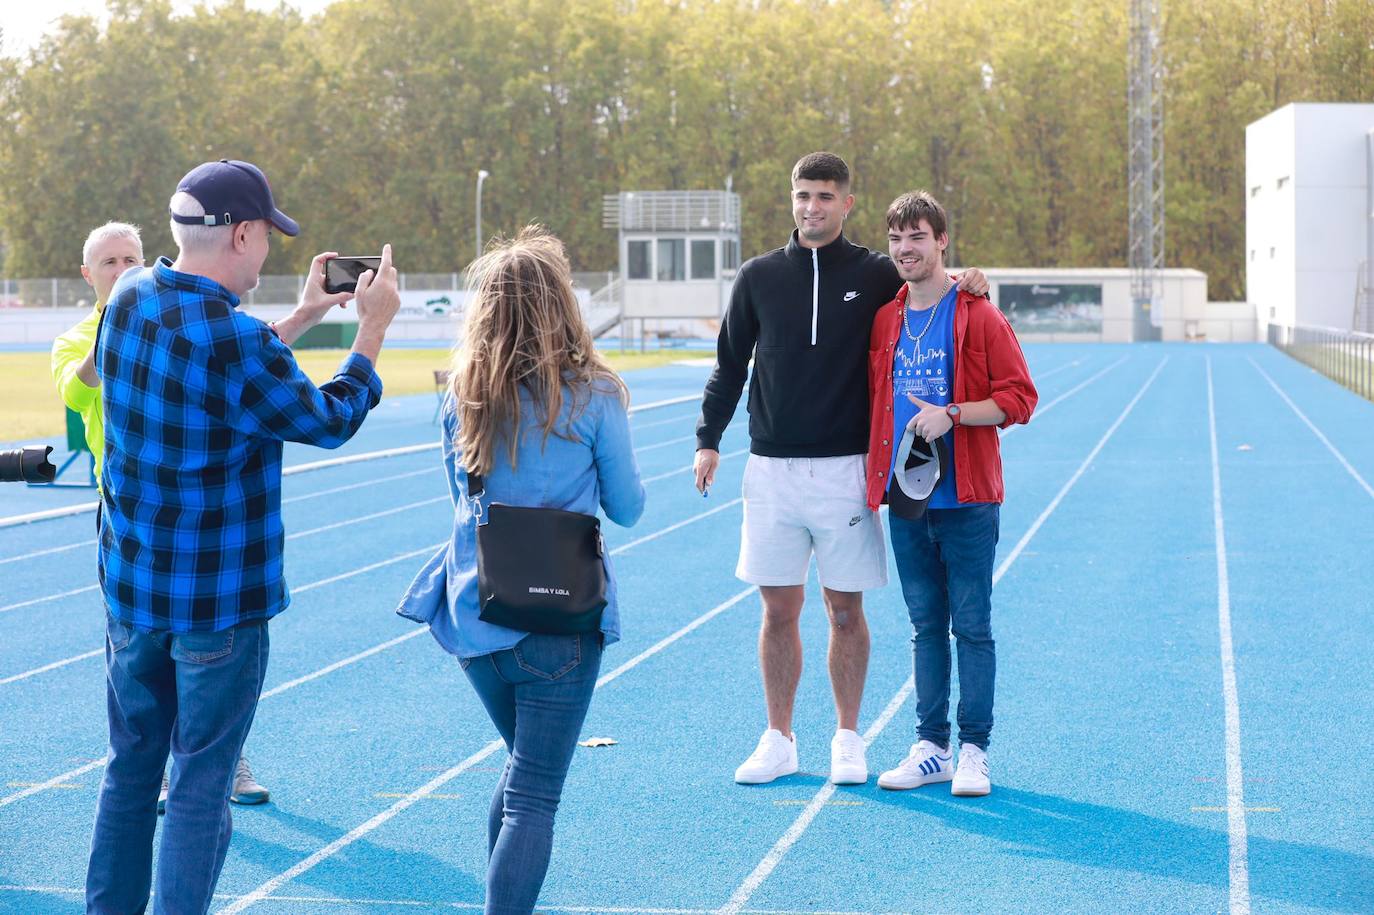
[[27, 465]]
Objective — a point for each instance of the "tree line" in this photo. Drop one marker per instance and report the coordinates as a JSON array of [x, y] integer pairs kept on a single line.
[[373, 117]]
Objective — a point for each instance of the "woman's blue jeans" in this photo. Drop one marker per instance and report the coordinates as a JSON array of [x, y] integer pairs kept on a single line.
[[944, 560], [537, 695]]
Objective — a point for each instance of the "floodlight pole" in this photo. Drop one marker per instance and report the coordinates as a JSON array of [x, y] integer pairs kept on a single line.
[[1145, 104], [482, 175]]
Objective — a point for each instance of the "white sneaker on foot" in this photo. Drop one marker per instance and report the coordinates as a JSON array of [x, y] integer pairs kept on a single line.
[[774, 757], [926, 764], [847, 763], [971, 778]]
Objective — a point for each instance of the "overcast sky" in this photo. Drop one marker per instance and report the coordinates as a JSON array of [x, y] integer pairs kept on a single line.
[[26, 22]]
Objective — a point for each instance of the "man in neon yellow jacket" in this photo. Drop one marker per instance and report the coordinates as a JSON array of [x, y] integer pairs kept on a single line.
[[108, 252]]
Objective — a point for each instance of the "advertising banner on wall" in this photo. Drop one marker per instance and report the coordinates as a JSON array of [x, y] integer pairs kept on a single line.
[[1052, 308]]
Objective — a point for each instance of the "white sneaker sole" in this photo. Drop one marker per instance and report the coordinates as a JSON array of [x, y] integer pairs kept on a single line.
[[849, 778], [763, 778], [970, 790], [899, 783]]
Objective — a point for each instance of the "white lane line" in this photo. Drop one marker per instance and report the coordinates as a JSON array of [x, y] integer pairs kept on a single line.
[[52, 782], [688, 468], [775, 854], [771, 860], [298, 534], [1041, 411], [49, 551], [267, 887], [15, 678], [1235, 794], [362, 485], [14, 520], [301, 590], [422, 551], [48, 597], [671, 441], [1054, 503], [353, 659], [672, 527], [365, 902], [358, 458], [428, 550], [49, 514], [664, 422], [381, 514], [1364, 484], [346, 488], [1036, 376]]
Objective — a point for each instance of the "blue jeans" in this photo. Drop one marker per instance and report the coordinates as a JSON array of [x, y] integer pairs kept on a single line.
[[537, 695], [944, 560], [193, 694]]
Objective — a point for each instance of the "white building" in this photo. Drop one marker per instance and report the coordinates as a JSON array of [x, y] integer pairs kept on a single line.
[[1093, 304], [679, 251], [1309, 217]]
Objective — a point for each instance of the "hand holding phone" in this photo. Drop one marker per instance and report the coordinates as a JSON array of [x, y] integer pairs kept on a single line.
[[341, 273]]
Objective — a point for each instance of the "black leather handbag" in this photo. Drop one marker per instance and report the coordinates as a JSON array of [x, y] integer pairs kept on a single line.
[[538, 569]]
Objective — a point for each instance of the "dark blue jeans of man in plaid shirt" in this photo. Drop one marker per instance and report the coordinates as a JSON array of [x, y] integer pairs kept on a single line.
[[198, 398]]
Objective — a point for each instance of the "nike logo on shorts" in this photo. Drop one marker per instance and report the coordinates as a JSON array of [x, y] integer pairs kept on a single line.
[[855, 520], [850, 296]]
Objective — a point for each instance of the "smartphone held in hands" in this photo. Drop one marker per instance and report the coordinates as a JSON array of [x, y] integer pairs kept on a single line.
[[341, 273]]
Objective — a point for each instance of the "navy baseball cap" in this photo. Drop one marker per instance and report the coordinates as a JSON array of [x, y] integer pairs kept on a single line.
[[232, 191]]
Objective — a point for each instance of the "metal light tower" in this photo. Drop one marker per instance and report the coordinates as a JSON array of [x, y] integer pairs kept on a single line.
[[1145, 100], [482, 175]]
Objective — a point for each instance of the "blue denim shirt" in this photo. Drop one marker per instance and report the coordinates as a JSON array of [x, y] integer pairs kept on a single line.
[[595, 469]]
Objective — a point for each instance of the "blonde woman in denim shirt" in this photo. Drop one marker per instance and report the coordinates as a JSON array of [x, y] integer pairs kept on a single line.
[[536, 411]]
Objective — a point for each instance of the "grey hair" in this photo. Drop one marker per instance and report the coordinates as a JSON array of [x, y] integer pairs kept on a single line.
[[106, 232], [195, 237]]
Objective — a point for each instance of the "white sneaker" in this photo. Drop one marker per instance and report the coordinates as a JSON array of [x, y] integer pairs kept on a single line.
[[926, 764], [847, 763], [971, 778], [774, 757]]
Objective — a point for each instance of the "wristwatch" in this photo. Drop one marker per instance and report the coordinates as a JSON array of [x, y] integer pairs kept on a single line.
[[953, 411]]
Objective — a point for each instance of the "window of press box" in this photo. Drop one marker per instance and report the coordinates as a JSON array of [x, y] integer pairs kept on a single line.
[[672, 259], [729, 254], [638, 260], [703, 259]]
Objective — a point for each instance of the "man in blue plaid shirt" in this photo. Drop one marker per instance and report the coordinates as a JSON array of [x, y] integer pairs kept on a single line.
[[199, 398]]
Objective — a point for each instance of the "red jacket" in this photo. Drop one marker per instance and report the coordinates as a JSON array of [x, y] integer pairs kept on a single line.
[[987, 363]]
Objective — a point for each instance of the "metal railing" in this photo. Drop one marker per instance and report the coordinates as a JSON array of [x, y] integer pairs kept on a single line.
[[1344, 356], [688, 211]]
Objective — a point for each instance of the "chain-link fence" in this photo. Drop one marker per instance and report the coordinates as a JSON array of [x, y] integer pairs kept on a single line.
[[1344, 356], [65, 292]]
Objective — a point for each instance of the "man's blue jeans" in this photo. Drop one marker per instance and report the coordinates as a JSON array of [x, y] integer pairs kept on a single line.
[[944, 560], [192, 694], [537, 695]]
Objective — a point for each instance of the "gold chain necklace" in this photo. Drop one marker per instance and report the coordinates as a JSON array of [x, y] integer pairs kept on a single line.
[[916, 338]]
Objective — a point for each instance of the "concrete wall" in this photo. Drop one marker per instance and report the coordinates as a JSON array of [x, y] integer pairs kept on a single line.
[[1305, 221]]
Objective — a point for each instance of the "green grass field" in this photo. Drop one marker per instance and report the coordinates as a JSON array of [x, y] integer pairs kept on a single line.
[[30, 407]]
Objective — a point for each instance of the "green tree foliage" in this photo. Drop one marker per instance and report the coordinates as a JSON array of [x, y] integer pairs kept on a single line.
[[373, 117]]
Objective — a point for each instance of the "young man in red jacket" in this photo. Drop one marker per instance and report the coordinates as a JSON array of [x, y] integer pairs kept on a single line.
[[945, 370]]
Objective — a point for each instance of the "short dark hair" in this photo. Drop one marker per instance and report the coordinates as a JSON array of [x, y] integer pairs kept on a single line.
[[907, 211], [821, 166]]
